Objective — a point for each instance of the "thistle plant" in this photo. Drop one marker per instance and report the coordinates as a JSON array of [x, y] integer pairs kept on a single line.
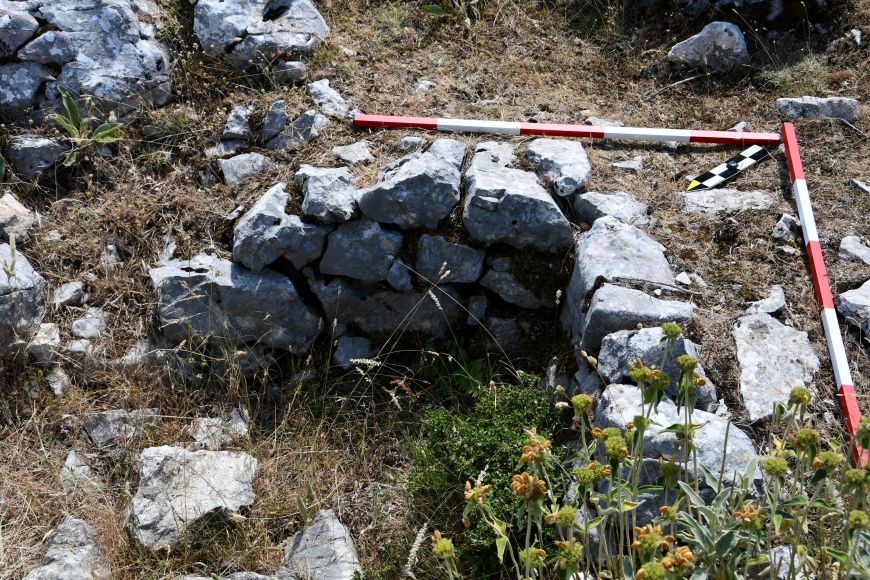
[[78, 128]]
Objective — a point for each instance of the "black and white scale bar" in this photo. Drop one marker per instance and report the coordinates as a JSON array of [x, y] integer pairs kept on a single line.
[[724, 172]]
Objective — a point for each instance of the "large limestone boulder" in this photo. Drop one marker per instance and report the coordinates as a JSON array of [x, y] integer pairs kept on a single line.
[[22, 299], [207, 296], [719, 48], [74, 553], [774, 359], [505, 204], [322, 551], [256, 32], [178, 488]]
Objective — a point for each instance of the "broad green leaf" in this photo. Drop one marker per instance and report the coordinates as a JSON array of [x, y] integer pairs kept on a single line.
[[70, 158], [841, 557], [798, 500], [627, 506], [500, 546], [627, 567], [108, 133], [71, 129], [726, 543], [690, 493], [593, 523], [72, 110], [433, 10]]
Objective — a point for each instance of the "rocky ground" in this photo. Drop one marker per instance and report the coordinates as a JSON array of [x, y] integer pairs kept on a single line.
[[217, 317]]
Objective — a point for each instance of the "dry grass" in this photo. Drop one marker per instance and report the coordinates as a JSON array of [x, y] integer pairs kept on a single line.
[[561, 59]]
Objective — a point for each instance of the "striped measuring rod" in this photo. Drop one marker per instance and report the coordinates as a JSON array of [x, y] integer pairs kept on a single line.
[[557, 130], [845, 385]]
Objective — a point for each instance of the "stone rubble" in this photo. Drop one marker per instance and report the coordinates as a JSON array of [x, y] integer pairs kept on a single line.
[[854, 249], [773, 304], [328, 100], [241, 168], [709, 201], [787, 228], [77, 477], [91, 325], [499, 279], [634, 164], [461, 264], [356, 153], [351, 348], [22, 299], [117, 426], [305, 128], [361, 250], [819, 108], [45, 344], [213, 433], [74, 553], [329, 193], [69, 294]]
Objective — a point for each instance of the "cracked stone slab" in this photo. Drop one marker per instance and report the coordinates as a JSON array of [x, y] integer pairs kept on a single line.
[[74, 553], [178, 488], [621, 205], [774, 359], [710, 201], [329, 193], [817, 108], [561, 161], [362, 250]]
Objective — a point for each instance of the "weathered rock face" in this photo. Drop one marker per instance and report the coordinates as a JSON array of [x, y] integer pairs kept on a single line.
[[418, 190], [241, 168], [621, 205], [327, 99], [22, 299], [304, 129], [213, 433], [207, 296], [322, 551], [16, 28], [626, 346], [817, 108], [117, 425], [773, 359], [361, 250], [719, 48], [854, 306], [74, 553], [852, 248], [509, 205], [254, 32], [460, 263], [76, 476], [178, 488], [265, 233], [101, 49], [31, 154], [15, 219], [329, 192], [612, 251], [614, 308], [724, 200], [561, 161], [500, 280], [621, 403]]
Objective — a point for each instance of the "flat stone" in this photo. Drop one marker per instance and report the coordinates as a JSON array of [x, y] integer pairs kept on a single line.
[[774, 359], [719, 48], [819, 108], [255, 32], [74, 553], [458, 263], [91, 325], [58, 381], [614, 308], [117, 426], [418, 190], [207, 296], [328, 100], [178, 488], [213, 433], [621, 205], [45, 344], [20, 84], [626, 346], [634, 164], [77, 477], [22, 299], [854, 306], [502, 282], [322, 551], [619, 404], [305, 128], [54, 47], [266, 233], [599, 122], [274, 121], [351, 348], [289, 72], [562, 162], [224, 149], [410, 143], [773, 304], [15, 219], [241, 168], [329, 193], [612, 250], [16, 28], [853, 248], [787, 228], [238, 125], [69, 294], [711, 201], [741, 127], [356, 154], [362, 250], [503, 204], [399, 277], [31, 154]]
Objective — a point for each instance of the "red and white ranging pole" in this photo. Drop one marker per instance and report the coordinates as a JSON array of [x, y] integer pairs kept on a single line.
[[558, 130], [845, 386]]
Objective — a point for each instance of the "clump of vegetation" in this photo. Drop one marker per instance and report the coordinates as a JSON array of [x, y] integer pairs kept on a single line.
[[577, 513], [78, 129], [805, 77]]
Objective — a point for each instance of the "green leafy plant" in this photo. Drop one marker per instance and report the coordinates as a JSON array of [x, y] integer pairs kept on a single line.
[[78, 129]]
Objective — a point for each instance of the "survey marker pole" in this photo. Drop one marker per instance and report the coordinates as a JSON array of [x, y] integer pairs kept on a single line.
[[842, 374]]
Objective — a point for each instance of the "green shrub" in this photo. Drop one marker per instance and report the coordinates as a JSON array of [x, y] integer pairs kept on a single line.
[[457, 447]]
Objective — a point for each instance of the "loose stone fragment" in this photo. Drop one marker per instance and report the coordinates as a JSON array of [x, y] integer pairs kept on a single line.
[[561, 161], [323, 551], [361, 250]]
